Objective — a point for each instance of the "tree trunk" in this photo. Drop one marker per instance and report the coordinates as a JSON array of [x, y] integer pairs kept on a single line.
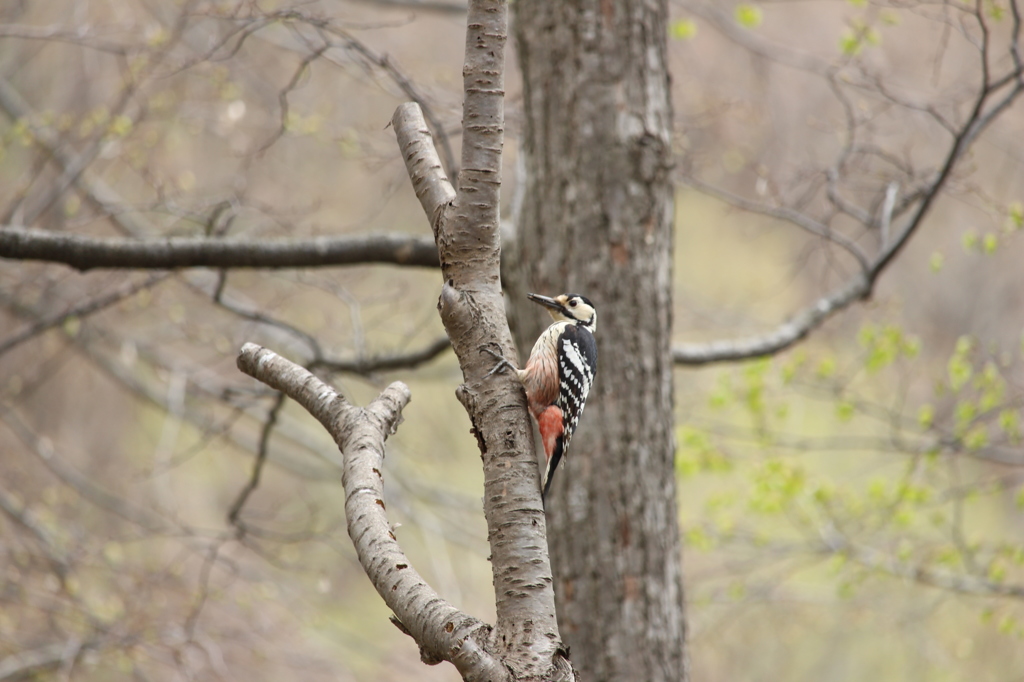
[[596, 219]]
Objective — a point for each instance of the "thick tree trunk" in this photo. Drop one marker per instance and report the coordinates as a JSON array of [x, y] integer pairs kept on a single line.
[[596, 219]]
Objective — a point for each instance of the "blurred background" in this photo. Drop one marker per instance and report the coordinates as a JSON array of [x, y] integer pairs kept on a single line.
[[852, 508]]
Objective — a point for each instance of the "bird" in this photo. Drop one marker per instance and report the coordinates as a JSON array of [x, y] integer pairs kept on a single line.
[[559, 374]]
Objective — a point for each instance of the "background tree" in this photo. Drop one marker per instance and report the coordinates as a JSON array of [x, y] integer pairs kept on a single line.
[[139, 539], [595, 217]]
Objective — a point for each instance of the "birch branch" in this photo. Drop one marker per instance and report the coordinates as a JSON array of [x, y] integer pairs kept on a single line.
[[443, 632], [465, 223]]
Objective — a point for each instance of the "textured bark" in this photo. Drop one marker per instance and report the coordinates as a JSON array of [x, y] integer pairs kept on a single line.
[[465, 225], [524, 642], [443, 632], [596, 219]]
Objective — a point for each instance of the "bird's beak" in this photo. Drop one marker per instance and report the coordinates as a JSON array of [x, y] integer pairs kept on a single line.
[[545, 301]]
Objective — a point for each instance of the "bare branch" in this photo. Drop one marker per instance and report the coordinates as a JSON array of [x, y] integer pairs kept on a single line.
[[83, 485], [97, 192], [257, 466], [28, 664], [782, 337], [789, 215], [437, 6], [432, 187], [24, 517], [282, 97], [73, 167], [407, 86], [752, 42], [442, 631], [86, 253], [951, 582], [983, 112], [82, 310], [387, 363], [466, 228], [77, 36]]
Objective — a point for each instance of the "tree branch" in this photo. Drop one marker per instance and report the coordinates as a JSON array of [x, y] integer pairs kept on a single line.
[[23, 516], [86, 308], [431, 185], [861, 286], [420, 5], [466, 229], [780, 338], [86, 253], [28, 664], [387, 363], [880, 561], [801, 220], [442, 631]]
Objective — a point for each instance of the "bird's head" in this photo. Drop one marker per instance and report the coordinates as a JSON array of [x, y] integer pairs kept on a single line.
[[569, 308]]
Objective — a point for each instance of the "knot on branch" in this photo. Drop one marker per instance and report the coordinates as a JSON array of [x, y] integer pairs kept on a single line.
[[456, 309]]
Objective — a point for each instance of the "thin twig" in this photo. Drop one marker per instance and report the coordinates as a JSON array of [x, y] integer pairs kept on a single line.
[[257, 466], [84, 309]]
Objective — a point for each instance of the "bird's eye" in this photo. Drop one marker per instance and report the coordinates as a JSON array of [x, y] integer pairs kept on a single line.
[[572, 303]]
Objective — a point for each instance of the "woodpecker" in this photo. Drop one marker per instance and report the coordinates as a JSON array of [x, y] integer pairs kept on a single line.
[[559, 374]]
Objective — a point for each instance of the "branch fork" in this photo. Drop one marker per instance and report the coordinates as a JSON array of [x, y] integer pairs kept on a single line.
[[443, 632]]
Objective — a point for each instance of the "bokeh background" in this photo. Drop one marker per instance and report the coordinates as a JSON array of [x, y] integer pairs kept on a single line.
[[852, 508]]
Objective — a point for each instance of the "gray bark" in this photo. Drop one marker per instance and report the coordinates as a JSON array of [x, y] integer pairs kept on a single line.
[[465, 225], [443, 632], [596, 219], [85, 253], [524, 642]]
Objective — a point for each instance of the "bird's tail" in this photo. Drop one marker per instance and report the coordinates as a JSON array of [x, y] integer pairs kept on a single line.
[[552, 464]]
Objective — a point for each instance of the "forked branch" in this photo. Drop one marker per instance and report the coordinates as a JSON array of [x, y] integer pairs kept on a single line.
[[995, 95], [443, 632]]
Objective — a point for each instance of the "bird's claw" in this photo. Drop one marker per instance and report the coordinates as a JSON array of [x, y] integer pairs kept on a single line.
[[502, 362]]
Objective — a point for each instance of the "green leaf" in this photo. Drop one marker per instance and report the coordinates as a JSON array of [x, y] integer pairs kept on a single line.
[[867, 334], [959, 368], [989, 243], [890, 17], [72, 324], [965, 412], [790, 369], [696, 538], [976, 438], [1009, 422], [911, 346], [926, 416], [120, 126], [849, 43], [969, 240], [936, 261], [683, 29], [749, 16], [1015, 212]]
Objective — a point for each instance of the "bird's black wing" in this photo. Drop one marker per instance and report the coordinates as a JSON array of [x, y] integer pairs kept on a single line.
[[577, 365]]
